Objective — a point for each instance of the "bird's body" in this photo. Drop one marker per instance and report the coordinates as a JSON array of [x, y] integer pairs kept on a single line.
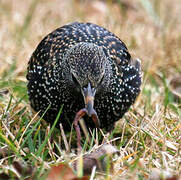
[[77, 58]]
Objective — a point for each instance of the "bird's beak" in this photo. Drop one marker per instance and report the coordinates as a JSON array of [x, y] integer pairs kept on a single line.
[[89, 94]]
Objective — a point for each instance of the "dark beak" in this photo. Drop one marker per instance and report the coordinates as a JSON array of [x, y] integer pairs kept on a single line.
[[89, 94]]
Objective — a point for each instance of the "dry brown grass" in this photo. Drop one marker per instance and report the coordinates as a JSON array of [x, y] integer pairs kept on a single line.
[[151, 131]]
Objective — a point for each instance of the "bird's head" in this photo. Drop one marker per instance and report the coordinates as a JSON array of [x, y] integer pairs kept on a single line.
[[88, 65]]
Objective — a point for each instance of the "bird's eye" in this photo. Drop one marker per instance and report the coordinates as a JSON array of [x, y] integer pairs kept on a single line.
[[100, 82], [74, 79]]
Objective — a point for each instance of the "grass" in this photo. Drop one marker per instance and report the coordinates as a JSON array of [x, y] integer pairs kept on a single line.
[[148, 136]]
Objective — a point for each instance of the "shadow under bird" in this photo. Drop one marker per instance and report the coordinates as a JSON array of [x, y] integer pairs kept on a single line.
[[89, 71]]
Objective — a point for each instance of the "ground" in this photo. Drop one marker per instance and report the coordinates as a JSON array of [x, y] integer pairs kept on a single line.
[[148, 137]]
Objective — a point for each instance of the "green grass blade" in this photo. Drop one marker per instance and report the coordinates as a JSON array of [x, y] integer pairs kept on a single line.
[[9, 143], [9, 104], [151, 11], [49, 134], [34, 127]]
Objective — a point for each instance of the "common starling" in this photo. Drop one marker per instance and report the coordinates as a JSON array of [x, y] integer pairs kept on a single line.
[[89, 71]]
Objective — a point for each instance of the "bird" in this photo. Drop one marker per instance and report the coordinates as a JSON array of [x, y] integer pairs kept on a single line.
[[87, 69]]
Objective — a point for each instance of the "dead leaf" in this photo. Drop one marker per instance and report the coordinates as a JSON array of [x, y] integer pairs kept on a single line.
[[99, 158], [23, 169], [157, 174], [63, 171], [173, 178]]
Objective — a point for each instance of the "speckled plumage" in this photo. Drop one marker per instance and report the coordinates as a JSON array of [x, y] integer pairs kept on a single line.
[[70, 57]]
